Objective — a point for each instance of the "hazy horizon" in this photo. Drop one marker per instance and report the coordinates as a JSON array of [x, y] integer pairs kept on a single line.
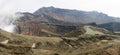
[[109, 7]]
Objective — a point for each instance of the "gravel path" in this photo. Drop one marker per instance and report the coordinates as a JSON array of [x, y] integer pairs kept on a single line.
[[90, 31]]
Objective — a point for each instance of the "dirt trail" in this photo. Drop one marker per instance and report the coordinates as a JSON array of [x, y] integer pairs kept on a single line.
[[90, 31]]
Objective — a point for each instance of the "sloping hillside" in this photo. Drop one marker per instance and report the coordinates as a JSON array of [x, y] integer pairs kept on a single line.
[[87, 30]]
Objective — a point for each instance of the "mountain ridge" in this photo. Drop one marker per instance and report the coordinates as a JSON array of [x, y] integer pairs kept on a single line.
[[75, 15]]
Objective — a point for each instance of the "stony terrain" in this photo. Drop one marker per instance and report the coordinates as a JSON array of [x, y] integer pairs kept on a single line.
[[78, 44]]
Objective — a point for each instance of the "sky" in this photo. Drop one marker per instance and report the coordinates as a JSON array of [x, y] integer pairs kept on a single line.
[[110, 7]]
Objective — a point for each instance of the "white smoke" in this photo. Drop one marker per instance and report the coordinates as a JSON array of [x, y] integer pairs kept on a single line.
[[7, 16], [7, 22]]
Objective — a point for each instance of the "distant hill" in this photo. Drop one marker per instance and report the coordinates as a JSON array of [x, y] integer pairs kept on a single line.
[[112, 26]]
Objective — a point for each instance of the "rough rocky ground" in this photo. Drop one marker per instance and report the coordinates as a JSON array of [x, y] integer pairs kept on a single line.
[[81, 44]]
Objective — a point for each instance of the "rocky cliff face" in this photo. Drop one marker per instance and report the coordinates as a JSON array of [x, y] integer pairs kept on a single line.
[[38, 29]]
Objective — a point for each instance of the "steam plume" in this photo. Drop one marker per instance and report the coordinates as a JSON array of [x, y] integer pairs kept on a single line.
[[7, 16]]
